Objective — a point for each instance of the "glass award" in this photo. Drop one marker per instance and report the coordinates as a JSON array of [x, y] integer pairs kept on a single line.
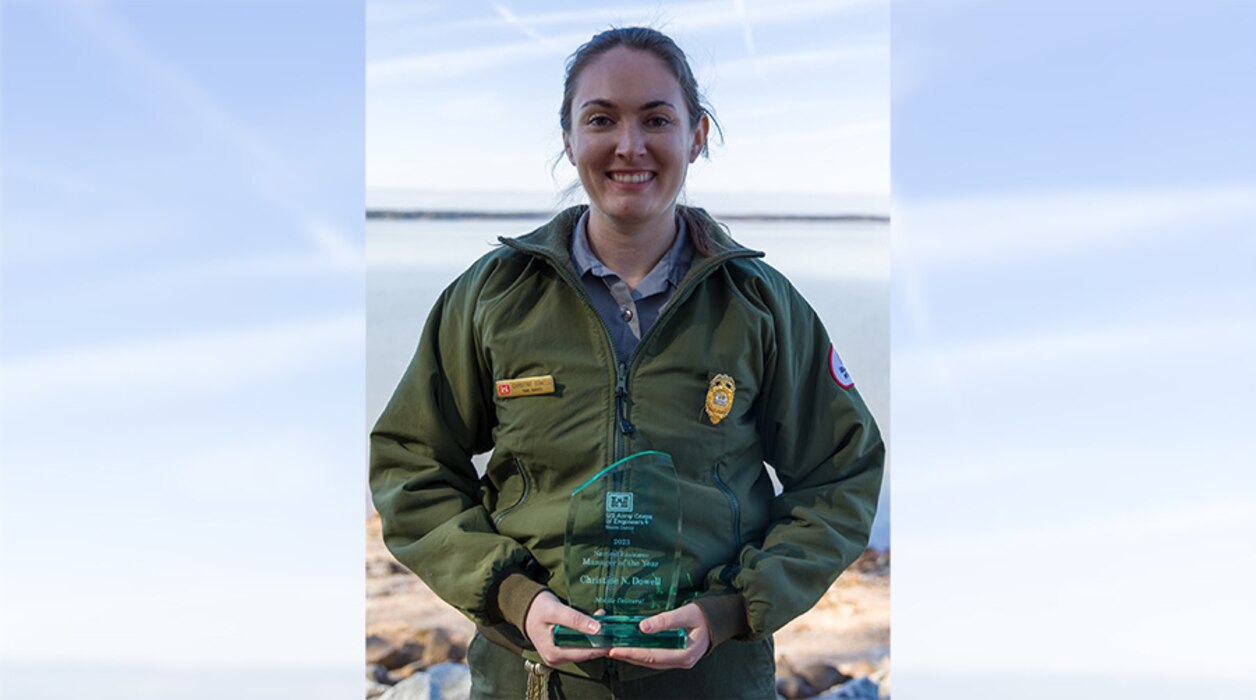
[[622, 553]]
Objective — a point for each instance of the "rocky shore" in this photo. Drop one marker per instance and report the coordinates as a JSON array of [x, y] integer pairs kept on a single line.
[[416, 644]]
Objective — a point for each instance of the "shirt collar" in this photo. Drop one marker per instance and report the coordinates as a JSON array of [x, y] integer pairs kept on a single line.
[[669, 270]]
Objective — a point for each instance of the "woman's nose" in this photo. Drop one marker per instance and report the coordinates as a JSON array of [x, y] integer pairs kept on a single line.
[[631, 141]]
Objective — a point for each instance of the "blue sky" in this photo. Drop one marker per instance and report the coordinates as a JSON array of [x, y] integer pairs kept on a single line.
[[1074, 197], [465, 96], [1072, 321], [182, 335]]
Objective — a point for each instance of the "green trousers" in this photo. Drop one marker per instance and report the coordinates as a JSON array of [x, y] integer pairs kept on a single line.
[[734, 670]]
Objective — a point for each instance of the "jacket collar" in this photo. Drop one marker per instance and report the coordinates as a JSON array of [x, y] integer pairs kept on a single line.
[[553, 240]]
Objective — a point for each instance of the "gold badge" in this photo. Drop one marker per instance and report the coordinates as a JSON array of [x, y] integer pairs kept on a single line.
[[525, 386], [719, 400]]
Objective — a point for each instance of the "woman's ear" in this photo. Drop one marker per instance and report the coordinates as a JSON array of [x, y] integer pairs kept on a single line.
[[571, 157], [700, 137]]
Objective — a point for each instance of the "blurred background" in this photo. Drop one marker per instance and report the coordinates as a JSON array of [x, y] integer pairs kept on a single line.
[[1073, 327], [183, 363], [182, 349]]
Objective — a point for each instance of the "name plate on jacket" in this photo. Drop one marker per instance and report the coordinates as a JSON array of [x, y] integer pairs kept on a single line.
[[525, 386]]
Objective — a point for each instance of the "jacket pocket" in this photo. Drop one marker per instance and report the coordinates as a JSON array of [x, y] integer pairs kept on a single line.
[[523, 496], [733, 504]]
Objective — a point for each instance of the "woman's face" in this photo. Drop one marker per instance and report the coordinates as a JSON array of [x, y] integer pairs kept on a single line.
[[630, 138]]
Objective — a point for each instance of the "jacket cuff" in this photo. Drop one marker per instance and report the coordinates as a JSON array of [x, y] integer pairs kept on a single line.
[[725, 615], [514, 597]]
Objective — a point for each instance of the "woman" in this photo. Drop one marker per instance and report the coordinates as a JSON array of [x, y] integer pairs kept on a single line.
[[659, 332]]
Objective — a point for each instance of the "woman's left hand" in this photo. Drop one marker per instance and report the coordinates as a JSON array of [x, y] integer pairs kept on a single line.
[[687, 617]]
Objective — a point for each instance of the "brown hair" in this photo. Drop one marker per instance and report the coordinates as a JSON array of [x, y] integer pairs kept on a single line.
[[660, 45]]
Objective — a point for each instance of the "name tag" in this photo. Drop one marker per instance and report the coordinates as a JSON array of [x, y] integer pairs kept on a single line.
[[525, 386]]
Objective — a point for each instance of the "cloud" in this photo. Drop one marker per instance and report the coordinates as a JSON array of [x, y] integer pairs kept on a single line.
[[522, 25], [985, 230], [802, 60], [689, 17], [271, 178], [711, 14], [747, 34], [197, 364], [958, 233], [954, 364], [449, 65], [1125, 527]]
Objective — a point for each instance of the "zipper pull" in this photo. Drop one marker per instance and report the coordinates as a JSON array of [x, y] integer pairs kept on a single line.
[[621, 395]]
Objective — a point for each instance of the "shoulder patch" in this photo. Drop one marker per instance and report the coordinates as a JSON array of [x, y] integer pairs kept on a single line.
[[838, 370]]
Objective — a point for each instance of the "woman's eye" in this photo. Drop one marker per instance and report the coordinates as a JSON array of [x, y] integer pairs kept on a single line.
[[658, 122], [599, 121]]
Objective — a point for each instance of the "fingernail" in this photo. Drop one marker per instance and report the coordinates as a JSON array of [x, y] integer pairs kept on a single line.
[[646, 626], [591, 626]]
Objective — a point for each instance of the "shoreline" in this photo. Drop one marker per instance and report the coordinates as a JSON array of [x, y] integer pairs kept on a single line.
[[452, 215]]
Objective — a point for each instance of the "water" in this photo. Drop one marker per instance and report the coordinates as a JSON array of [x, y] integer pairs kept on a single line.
[[841, 268]]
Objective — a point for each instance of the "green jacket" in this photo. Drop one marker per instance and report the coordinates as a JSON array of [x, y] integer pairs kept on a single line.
[[521, 311]]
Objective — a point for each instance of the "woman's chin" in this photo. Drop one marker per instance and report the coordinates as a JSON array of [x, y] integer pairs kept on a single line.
[[636, 213]]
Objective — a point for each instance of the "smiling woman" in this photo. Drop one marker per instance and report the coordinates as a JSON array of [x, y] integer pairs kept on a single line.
[[632, 139], [629, 331]]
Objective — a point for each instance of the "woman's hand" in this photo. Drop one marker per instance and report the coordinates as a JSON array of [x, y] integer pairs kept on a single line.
[[687, 617], [545, 612]]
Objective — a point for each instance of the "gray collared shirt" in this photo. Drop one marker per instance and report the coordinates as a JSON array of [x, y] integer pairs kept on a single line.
[[630, 313]]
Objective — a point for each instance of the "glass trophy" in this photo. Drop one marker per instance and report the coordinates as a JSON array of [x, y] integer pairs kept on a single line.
[[622, 553]]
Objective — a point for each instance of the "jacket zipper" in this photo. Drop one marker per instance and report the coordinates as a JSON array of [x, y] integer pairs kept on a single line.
[[621, 400], [732, 502], [625, 429]]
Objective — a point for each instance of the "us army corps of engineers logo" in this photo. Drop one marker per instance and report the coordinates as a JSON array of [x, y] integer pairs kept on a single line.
[[621, 513], [619, 502]]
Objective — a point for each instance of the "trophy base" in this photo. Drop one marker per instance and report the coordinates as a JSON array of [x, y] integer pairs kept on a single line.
[[620, 631]]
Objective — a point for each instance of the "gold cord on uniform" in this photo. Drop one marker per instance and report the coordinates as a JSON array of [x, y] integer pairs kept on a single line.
[[538, 680]]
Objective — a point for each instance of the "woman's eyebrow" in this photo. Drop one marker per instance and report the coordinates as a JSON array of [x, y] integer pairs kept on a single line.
[[607, 104]]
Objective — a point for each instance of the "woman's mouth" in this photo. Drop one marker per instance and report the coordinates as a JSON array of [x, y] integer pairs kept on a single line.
[[634, 178]]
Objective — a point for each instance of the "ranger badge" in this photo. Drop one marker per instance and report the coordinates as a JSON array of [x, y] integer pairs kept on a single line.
[[719, 398]]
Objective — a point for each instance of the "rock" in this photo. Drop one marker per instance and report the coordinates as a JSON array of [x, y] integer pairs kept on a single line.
[[378, 674], [439, 646], [857, 669], [820, 675], [380, 568], [374, 690], [407, 670], [882, 676], [861, 689], [792, 686], [405, 654], [377, 648], [454, 681], [446, 681], [416, 687]]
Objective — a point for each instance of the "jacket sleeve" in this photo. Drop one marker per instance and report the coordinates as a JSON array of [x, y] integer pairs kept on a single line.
[[829, 456], [421, 476]]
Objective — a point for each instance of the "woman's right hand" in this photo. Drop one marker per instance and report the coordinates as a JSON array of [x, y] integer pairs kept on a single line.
[[547, 611]]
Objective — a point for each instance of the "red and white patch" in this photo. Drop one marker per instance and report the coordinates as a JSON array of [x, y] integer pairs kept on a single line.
[[838, 370], [503, 389]]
